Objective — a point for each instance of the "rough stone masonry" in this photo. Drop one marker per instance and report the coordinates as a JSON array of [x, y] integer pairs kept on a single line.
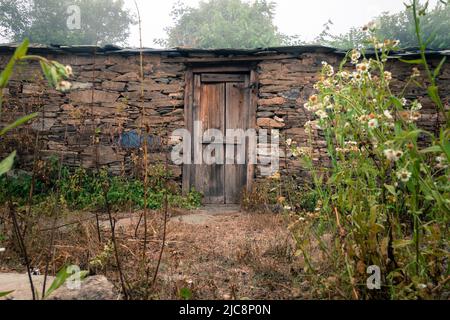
[[99, 122]]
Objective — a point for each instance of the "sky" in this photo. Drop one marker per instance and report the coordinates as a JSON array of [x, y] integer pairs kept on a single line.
[[304, 18], [293, 17]]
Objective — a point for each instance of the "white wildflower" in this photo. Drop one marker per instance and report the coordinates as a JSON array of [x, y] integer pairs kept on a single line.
[[312, 108], [2, 250], [422, 286], [373, 123], [416, 106], [344, 74], [388, 76], [322, 114], [64, 86], [362, 67], [310, 126], [404, 175], [69, 71], [393, 155], [330, 71], [379, 45], [388, 114], [404, 101], [357, 76], [355, 56], [289, 142], [441, 162]]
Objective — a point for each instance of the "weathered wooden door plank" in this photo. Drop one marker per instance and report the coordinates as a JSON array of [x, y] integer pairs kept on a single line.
[[209, 178], [222, 77], [236, 118], [220, 101]]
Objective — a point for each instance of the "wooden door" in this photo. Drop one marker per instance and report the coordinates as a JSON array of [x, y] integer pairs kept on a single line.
[[220, 101]]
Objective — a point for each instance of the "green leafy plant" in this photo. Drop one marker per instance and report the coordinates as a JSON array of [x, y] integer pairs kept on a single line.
[[83, 190], [62, 277], [386, 197], [4, 294], [56, 75], [185, 294], [224, 24]]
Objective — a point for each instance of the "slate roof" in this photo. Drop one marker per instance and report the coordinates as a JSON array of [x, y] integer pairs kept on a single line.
[[188, 52]]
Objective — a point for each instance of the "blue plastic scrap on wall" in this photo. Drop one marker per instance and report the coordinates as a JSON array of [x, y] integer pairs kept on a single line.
[[133, 140]]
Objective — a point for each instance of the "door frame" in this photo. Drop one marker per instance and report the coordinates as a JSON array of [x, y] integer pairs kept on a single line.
[[192, 69]]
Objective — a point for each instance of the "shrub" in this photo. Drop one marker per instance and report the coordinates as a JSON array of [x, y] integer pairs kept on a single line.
[[84, 190], [387, 196]]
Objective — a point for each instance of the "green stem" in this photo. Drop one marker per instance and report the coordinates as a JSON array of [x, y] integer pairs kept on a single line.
[[422, 47]]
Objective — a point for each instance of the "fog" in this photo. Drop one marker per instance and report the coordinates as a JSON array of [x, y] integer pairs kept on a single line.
[[293, 17], [303, 18]]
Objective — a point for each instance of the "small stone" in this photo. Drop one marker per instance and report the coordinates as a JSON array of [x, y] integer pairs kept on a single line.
[[274, 101], [265, 114], [269, 123], [99, 96], [81, 85], [113, 86], [93, 288], [130, 76]]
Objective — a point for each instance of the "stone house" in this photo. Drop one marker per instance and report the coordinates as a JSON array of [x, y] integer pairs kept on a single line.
[[109, 113]]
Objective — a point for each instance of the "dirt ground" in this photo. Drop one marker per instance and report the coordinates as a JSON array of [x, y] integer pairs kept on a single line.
[[215, 253]]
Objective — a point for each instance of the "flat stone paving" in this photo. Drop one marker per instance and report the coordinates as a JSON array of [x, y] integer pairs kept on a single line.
[[20, 284], [207, 214]]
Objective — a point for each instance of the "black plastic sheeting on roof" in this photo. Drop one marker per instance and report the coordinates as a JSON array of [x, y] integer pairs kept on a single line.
[[186, 52]]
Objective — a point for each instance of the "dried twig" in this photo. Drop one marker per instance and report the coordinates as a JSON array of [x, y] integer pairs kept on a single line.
[[22, 246], [55, 221], [114, 241], [166, 214]]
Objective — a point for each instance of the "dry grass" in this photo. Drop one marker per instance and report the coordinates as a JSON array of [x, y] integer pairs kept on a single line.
[[230, 257]]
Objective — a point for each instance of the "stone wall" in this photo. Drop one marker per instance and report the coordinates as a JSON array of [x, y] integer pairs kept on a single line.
[[286, 85], [99, 123]]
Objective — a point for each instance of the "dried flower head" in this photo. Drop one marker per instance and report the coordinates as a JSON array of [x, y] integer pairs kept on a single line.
[[64, 86], [388, 115], [393, 155], [355, 56], [387, 76], [69, 71], [322, 114], [289, 142], [314, 99], [415, 73]]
